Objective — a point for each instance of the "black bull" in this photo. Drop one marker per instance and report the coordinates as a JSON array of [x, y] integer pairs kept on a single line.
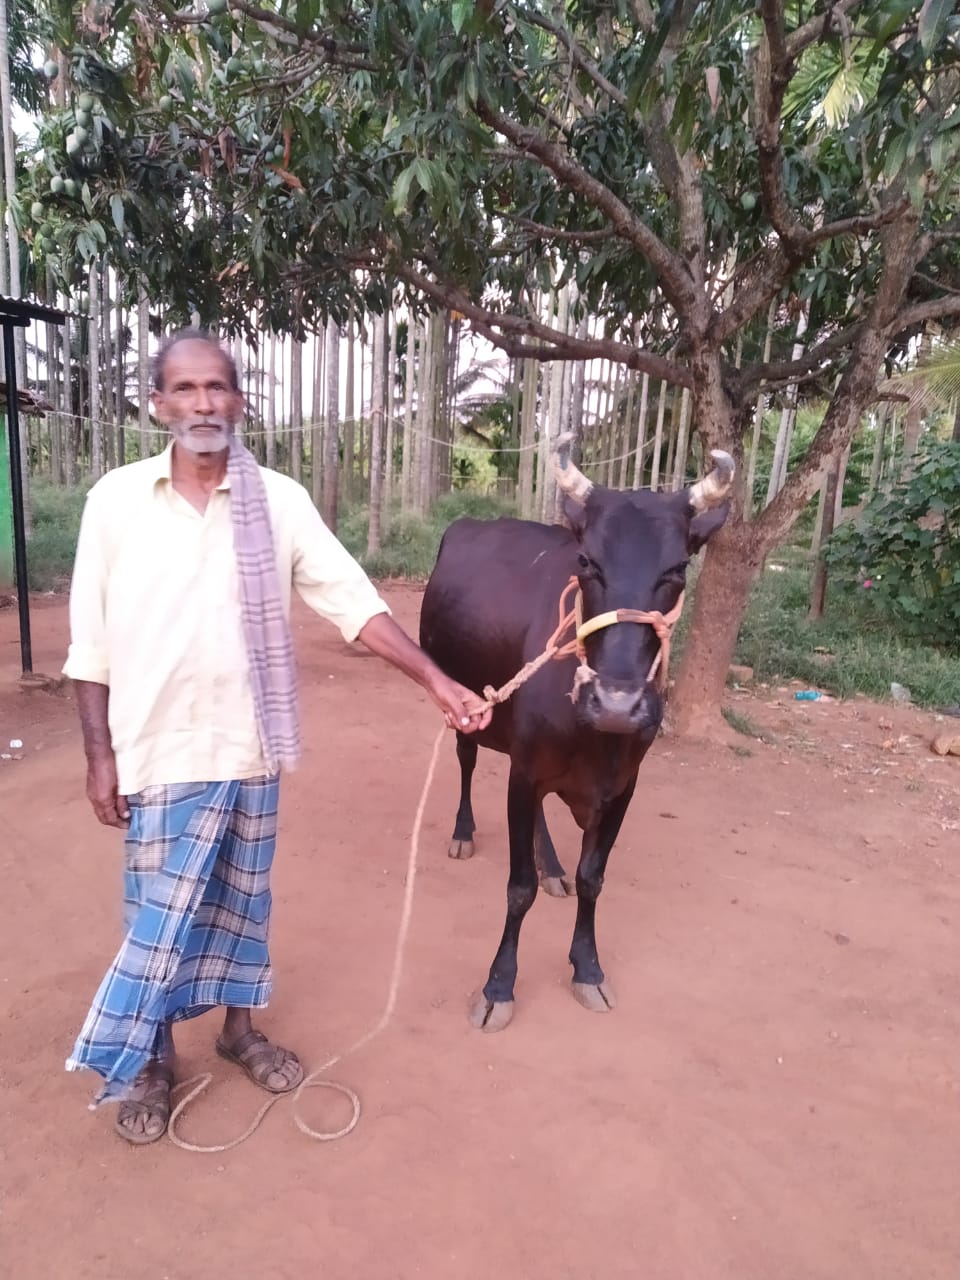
[[490, 606]]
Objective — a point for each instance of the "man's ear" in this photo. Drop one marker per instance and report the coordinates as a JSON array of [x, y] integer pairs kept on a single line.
[[704, 525]]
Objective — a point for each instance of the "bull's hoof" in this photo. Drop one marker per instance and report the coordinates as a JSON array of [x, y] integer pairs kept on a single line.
[[597, 997], [558, 886], [460, 849], [489, 1015]]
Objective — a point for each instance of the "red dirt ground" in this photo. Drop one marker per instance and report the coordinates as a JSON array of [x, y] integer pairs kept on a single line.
[[776, 1096]]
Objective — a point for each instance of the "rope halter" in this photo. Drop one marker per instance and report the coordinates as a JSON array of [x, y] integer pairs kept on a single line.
[[662, 623]]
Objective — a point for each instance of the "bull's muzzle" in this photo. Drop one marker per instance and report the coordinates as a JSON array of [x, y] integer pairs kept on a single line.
[[611, 706]]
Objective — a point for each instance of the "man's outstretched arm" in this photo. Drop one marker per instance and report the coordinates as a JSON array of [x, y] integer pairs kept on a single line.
[[462, 708]]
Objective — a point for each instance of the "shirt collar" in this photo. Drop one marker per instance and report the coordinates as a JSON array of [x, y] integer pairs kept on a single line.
[[160, 468]]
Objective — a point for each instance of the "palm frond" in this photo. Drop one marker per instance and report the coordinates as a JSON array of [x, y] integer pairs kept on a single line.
[[934, 380]]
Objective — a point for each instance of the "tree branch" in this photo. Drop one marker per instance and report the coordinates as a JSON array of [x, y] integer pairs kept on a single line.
[[544, 232], [935, 309], [810, 365], [675, 279], [775, 68], [816, 28], [857, 383], [527, 337], [577, 56], [349, 56]]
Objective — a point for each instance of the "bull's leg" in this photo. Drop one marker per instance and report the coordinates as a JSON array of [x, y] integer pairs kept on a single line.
[[589, 985], [492, 1008], [553, 878], [461, 846]]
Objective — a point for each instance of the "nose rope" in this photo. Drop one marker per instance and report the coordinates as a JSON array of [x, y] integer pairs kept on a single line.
[[662, 623]]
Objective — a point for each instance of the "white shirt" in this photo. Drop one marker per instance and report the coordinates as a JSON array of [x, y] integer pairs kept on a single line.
[[155, 615]]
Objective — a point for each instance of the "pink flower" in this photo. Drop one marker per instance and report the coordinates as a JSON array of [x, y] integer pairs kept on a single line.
[[868, 582]]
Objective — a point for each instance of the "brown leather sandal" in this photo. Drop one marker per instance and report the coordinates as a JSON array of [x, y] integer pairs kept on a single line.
[[154, 1102], [255, 1055]]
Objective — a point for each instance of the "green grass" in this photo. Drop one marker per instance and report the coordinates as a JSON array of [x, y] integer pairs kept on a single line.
[[852, 650], [409, 544], [56, 513], [741, 723]]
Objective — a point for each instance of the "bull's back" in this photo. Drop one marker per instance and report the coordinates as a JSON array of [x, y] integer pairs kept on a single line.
[[492, 598]]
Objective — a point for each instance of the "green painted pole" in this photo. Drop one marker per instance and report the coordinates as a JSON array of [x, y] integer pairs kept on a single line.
[[6, 511]]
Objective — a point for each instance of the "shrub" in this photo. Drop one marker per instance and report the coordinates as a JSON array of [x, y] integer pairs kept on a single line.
[[905, 549]]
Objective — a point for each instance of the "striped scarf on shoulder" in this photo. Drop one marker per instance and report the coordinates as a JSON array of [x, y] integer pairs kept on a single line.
[[273, 674]]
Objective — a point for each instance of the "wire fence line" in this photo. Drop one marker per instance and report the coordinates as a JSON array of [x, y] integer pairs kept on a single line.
[[285, 432]]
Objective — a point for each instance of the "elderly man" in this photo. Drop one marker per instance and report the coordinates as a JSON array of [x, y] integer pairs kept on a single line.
[[183, 667]]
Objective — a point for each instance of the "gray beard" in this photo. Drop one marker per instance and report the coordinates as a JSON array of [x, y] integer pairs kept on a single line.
[[208, 441]]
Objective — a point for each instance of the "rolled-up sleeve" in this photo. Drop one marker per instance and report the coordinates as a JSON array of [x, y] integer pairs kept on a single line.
[[328, 578], [88, 657]]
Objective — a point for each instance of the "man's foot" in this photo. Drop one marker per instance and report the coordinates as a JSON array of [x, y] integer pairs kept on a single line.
[[268, 1065], [144, 1113]]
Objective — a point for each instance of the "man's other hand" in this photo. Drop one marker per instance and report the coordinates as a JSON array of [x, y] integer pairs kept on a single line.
[[110, 807]]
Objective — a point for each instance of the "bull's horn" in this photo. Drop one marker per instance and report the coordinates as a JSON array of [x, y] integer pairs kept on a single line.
[[569, 476], [715, 487]]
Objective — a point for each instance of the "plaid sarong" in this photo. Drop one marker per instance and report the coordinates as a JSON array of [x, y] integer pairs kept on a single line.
[[197, 913], [266, 630]]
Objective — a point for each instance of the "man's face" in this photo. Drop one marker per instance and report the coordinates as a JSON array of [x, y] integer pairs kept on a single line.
[[197, 402]]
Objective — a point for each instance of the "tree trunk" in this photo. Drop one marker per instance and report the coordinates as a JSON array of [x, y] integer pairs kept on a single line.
[[93, 375], [641, 431], [577, 393], [676, 410], [317, 424], [683, 441], [723, 589], [876, 461], [658, 439], [818, 590], [425, 379], [71, 441], [296, 410], [394, 330], [758, 412], [558, 417], [271, 405], [106, 371], [447, 347], [331, 461], [409, 440], [350, 411], [528, 438], [143, 369], [376, 434], [781, 452]]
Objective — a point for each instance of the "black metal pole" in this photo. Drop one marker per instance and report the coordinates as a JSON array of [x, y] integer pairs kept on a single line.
[[16, 492]]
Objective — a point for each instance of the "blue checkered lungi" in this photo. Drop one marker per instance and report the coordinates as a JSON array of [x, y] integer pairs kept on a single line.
[[197, 913]]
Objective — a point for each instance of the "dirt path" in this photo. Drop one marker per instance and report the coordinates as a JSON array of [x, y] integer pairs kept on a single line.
[[777, 1094]]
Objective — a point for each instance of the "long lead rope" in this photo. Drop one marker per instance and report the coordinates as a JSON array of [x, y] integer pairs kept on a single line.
[[197, 1084]]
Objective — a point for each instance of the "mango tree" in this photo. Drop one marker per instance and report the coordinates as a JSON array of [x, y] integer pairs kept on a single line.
[[705, 175]]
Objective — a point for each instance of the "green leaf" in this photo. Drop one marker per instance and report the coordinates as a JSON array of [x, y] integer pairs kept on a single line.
[[460, 12], [424, 174], [932, 23], [400, 195], [116, 208]]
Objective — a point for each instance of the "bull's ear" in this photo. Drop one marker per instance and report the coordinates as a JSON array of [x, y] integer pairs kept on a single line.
[[704, 525], [575, 513]]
